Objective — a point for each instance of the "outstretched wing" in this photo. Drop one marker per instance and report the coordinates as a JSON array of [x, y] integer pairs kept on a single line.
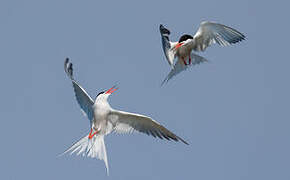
[[124, 122], [85, 101], [210, 33], [167, 45], [180, 66]]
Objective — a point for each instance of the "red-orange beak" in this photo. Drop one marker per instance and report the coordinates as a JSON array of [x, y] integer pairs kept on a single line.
[[111, 90], [178, 45]]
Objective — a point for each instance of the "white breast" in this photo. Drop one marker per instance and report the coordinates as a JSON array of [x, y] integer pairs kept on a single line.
[[101, 111]]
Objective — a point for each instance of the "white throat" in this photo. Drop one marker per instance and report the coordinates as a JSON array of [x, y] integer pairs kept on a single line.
[[101, 103]]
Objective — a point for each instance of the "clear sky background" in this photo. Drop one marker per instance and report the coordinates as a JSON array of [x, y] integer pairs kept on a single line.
[[234, 111]]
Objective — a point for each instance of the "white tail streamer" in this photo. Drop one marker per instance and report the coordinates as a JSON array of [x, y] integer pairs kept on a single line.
[[94, 148]]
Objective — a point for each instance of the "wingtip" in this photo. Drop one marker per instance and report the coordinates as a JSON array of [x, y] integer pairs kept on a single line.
[[68, 68], [164, 82], [179, 138], [66, 61], [185, 142], [163, 30]]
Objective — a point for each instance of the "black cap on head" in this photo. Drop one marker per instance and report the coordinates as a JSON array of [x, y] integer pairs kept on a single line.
[[100, 93], [185, 37]]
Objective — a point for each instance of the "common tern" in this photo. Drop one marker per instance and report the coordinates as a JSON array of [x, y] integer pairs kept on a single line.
[[207, 34], [104, 120]]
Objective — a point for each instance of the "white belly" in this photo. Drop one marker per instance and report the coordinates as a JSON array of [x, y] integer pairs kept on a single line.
[[100, 118]]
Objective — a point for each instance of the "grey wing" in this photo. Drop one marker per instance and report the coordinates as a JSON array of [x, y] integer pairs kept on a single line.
[[124, 122], [210, 33], [167, 45], [179, 66], [84, 100]]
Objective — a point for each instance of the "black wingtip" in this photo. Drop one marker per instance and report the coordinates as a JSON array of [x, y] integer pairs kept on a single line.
[[68, 68], [183, 141], [163, 30], [180, 139], [65, 63]]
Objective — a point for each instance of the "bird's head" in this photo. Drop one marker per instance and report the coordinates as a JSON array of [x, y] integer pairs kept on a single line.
[[105, 94], [182, 40], [185, 37]]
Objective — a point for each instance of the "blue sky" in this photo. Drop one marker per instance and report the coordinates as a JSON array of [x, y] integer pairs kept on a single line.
[[234, 111]]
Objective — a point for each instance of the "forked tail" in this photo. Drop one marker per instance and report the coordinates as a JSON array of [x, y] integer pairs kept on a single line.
[[94, 148], [181, 66]]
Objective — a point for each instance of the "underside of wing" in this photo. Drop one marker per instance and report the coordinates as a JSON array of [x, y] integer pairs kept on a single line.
[[167, 45], [180, 66], [84, 100], [124, 122], [210, 33]]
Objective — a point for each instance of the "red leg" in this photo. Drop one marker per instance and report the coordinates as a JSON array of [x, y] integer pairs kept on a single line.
[[189, 60], [92, 135], [184, 62]]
